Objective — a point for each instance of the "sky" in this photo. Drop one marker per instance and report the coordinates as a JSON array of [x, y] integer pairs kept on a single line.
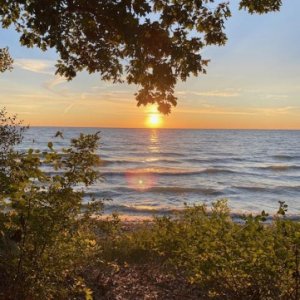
[[253, 82]]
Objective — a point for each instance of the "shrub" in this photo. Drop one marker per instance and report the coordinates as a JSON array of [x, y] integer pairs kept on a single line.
[[45, 231], [225, 259]]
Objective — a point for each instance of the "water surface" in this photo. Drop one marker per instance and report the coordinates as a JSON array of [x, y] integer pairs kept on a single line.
[[158, 170]]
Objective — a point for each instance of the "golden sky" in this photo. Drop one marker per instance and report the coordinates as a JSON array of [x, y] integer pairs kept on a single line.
[[252, 82]]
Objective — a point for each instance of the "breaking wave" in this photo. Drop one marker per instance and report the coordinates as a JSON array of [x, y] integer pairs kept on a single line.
[[166, 172], [280, 167]]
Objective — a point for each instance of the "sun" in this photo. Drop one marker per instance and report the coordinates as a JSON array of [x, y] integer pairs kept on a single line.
[[154, 120]]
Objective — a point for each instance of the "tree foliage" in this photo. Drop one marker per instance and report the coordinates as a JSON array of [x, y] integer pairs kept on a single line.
[[11, 133], [46, 233], [152, 44]]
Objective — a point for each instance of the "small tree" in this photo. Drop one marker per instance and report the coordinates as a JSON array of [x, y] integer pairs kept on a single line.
[[45, 230]]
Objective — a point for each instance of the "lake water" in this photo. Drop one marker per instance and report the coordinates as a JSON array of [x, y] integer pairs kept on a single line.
[[149, 171]]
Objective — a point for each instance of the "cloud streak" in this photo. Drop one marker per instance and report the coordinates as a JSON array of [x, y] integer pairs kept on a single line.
[[39, 66], [276, 97], [57, 80], [215, 93], [269, 111]]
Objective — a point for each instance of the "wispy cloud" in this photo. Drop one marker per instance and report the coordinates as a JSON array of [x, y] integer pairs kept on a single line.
[[72, 104], [35, 65], [57, 80], [104, 86], [278, 110], [222, 94], [120, 98], [52, 84], [276, 96], [227, 93], [31, 96], [214, 111], [268, 111]]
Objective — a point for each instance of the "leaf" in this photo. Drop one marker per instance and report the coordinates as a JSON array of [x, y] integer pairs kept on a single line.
[[88, 294]]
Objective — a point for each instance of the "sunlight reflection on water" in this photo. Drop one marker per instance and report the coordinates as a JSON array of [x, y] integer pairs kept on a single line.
[[153, 146], [141, 179], [253, 169]]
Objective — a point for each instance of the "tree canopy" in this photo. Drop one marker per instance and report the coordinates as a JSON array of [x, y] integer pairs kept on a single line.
[[150, 43]]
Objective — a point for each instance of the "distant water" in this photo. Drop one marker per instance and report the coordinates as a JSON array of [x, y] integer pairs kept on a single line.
[[149, 171]]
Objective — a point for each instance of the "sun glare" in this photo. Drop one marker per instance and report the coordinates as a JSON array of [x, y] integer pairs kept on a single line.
[[154, 120]]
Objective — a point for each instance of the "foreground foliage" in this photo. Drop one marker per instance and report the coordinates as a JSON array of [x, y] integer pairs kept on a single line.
[[225, 259], [46, 236]]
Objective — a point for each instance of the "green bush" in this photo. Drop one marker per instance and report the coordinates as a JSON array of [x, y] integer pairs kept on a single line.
[[46, 233], [225, 259]]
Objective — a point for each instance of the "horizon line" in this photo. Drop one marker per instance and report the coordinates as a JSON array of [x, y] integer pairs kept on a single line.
[[164, 128]]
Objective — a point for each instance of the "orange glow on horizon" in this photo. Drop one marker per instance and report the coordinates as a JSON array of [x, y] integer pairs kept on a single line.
[[124, 115], [154, 118]]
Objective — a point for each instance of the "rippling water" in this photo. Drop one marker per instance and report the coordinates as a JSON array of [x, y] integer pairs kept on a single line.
[[158, 170]]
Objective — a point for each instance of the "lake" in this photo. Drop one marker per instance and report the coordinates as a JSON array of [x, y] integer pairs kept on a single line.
[[148, 171]]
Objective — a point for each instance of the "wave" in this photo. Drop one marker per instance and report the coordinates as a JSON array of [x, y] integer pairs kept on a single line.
[[135, 162], [156, 154], [152, 171], [217, 170], [205, 160], [106, 195], [280, 167], [286, 157], [167, 172], [276, 189], [141, 209], [174, 190], [138, 210], [167, 161], [118, 162], [214, 160], [168, 154], [252, 188]]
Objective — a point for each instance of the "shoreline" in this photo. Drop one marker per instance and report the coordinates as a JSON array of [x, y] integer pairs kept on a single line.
[[136, 219]]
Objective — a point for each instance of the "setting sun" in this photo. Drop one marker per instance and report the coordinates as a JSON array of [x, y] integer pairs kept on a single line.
[[154, 120]]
